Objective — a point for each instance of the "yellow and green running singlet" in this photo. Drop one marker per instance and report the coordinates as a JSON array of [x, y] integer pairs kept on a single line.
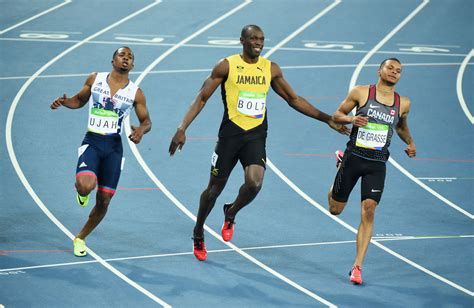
[[246, 90]]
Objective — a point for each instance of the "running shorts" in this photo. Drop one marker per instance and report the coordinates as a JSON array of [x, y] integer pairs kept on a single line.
[[354, 167], [101, 156], [248, 148]]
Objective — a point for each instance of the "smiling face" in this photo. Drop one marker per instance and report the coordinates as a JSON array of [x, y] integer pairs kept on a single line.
[[390, 72], [252, 40], [122, 60]]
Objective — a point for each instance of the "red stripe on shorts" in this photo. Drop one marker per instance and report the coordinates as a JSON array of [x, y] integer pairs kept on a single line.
[[107, 190], [86, 173]]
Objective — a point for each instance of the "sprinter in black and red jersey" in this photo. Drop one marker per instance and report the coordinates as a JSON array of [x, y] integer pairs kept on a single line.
[[379, 112]]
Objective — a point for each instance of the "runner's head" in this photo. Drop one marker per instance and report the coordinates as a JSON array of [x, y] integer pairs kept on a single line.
[[123, 59], [390, 71], [252, 40]]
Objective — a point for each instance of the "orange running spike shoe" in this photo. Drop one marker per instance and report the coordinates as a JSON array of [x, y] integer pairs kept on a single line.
[[356, 275]]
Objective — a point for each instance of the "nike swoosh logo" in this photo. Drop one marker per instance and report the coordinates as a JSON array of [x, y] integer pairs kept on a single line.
[[79, 200], [375, 190], [373, 106]]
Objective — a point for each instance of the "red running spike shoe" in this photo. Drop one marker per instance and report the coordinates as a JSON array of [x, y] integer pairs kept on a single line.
[[200, 251], [228, 227], [356, 275]]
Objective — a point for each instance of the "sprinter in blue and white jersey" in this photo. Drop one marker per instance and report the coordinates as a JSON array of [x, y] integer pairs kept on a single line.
[[111, 97]]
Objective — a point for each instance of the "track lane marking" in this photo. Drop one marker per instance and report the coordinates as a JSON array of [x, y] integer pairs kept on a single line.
[[35, 16], [459, 78], [24, 180], [176, 202], [188, 253], [337, 219]]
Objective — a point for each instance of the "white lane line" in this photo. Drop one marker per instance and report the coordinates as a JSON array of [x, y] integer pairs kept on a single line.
[[459, 78], [35, 16], [176, 254], [227, 38], [176, 202], [183, 42], [436, 179], [201, 70], [429, 45], [237, 47], [370, 65], [398, 166], [429, 189], [333, 42], [144, 35], [302, 28], [54, 32], [343, 223], [355, 75], [198, 70], [21, 175], [383, 41], [352, 229], [154, 40]]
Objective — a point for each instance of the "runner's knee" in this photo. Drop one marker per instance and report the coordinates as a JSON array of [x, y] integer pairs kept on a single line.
[[253, 186], [368, 209], [336, 207], [85, 184]]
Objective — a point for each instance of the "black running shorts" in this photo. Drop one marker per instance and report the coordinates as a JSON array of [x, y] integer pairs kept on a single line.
[[248, 148], [354, 167]]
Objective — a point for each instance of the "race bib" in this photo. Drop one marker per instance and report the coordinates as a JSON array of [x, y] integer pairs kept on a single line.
[[251, 104], [372, 136], [103, 122]]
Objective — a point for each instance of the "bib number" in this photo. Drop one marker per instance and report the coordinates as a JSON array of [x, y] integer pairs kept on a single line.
[[372, 136], [103, 122], [251, 104]]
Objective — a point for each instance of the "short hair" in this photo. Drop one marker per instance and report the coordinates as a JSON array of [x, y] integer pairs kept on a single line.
[[116, 51], [389, 59], [243, 33]]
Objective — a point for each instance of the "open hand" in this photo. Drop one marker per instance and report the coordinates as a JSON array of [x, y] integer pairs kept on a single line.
[[58, 102]]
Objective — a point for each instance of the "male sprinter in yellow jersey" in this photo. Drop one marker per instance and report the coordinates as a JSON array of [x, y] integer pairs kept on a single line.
[[245, 80]]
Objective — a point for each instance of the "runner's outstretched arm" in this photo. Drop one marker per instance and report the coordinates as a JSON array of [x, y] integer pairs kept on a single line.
[[300, 104], [78, 100], [341, 115], [218, 74]]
